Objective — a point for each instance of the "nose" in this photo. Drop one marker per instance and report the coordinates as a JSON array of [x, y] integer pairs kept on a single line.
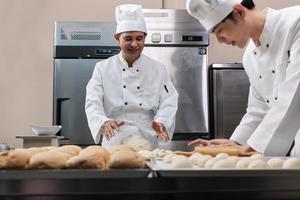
[[220, 38], [134, 43]]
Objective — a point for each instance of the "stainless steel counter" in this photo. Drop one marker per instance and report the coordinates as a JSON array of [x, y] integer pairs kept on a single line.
[[146, 184]]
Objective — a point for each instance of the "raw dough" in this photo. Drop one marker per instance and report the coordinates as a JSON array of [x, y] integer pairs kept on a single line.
[[222, 155], [194, 158], [257, 164], [169, 158], [243, 163], [201, 161], [292, 163], [276, 162], [223, 164], [146, 154], [137, 142], [257, 155], [181, 162]]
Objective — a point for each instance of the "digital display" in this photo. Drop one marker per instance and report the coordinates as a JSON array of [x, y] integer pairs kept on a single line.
[[192, 38]]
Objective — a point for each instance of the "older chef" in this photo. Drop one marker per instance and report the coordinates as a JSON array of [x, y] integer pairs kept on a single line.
[[272, 62], [130, 93]]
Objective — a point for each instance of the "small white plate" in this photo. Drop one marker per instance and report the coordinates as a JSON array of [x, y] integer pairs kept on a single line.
[[45, 130]]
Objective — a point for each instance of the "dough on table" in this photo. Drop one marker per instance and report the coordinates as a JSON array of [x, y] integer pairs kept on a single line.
[[292, 163], [181, 162], [14, 159], [104, 152], [234, 159], [146, 154], [243, 163], [201, 161], [257, 155], [223, 163], [126, 159], [194, 158], [222, 155], [210, 162], [275, 162], [258, 164], [72, 150], [169, 158], [137, 142]]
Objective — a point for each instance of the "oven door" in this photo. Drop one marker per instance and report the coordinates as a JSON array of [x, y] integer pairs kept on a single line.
[[70, 79], [188, 72]]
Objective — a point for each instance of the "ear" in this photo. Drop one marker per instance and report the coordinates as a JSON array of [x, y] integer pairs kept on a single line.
[[117, 37], [239, 11]]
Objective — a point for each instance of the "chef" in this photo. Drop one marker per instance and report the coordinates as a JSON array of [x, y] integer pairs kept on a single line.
[[272, 63], [130, 93]]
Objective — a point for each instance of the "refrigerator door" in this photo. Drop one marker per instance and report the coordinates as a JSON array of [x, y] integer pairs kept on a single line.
[[229, 88], [70, 79]]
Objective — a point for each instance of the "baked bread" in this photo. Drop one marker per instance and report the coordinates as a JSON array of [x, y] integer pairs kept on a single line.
[[72, 150], [121, 147], [93, 157], [126, 159], [18, 159], [3, 159], [49, 160]]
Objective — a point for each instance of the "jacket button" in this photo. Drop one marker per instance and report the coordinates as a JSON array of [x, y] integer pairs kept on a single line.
[[125, 103], [267, 45], [140, 104], [276, 98], [254, 52], [137, 70], [260, 76], [138, 87], [268, 101], [124, 86], [273, 71], [123, 70]]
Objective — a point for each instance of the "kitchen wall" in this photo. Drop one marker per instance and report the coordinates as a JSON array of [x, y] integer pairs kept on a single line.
[[26, 63]]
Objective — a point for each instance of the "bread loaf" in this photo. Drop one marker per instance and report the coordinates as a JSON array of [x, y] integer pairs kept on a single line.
[[72, 150], [49, 160], [126, 159], [94, 157], [215, 150]]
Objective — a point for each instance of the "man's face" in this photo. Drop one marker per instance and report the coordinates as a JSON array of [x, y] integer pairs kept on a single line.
[[232, 32], [131, 43]]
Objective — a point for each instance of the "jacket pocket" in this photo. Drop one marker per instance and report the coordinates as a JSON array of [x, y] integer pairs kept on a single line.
[[150, 96]]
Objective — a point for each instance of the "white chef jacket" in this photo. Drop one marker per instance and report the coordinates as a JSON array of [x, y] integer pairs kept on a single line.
[[272, 120], [137, 95]]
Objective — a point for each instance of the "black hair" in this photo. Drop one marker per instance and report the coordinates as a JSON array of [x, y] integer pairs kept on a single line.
[[249, 4]]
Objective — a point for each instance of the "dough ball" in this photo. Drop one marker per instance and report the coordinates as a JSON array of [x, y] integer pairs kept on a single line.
[[201, 161], [223, 164], [222, 155], [292, 163], [18, 158], [160, 153], [169, 158], [276, 162], [137, 142], [146, 154], [243, 163], [181, 162], [257, 164], [210, 162], [194, 158], [123, 147], [233, 159], [257, 155], [126, 159]]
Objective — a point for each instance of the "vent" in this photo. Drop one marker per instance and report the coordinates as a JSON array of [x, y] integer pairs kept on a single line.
[[85, 36]]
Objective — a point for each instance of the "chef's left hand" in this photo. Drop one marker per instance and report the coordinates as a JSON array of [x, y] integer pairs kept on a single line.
[[160, 130], [245, 149]]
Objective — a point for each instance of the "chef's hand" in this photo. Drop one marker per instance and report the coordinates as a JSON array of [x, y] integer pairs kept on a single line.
[[244, 149], [110, 128], [214, 142], [160, 130]]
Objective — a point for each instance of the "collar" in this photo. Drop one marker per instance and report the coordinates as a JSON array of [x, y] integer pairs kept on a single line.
[[266, 36], [136, 64]]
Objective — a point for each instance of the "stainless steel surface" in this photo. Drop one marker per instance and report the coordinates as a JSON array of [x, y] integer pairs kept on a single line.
[[229, 87]]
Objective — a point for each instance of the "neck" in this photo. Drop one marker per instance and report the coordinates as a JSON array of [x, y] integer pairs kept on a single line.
[[130, 59], [259, 19]]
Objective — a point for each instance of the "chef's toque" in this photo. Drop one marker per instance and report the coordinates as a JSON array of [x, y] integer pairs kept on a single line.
[[130, 17], [210, 12]]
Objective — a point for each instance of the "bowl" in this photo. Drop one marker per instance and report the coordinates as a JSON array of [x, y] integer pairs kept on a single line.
[[45, 130]]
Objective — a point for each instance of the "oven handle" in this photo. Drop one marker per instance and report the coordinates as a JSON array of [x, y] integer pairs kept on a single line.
[[58, 110]]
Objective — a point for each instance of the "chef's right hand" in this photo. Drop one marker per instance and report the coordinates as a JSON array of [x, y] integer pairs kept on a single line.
[[110, 128], [214, 142]]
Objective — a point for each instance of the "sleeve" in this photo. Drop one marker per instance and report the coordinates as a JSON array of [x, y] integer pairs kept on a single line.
[[94, 104], [278, 129], [167, 109], [256, 110]]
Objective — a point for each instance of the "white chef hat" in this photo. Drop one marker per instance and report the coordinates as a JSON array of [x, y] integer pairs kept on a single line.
[[130, 17], [210, 12]]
